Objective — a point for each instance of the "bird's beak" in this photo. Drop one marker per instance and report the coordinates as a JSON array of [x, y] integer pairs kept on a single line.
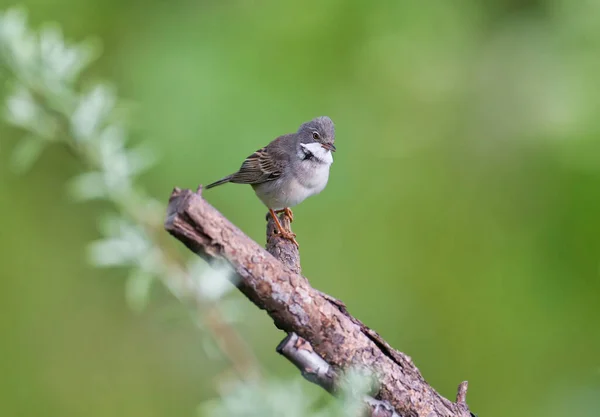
[[328, 146]]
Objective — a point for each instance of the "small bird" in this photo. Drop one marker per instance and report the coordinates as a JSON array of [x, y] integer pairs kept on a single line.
[[290, 169]]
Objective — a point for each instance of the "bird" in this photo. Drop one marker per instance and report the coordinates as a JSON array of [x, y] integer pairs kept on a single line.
[[288, 170]]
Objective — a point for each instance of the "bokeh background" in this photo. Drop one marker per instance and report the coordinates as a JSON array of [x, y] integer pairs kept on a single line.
[[461, 220]]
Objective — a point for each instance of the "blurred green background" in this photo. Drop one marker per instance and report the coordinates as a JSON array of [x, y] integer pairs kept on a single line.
[[461, 220]]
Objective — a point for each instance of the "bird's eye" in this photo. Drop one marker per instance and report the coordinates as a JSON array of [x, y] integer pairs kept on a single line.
[[316, 135]]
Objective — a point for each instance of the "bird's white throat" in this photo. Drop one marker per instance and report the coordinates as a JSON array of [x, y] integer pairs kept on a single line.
[[320, 153]]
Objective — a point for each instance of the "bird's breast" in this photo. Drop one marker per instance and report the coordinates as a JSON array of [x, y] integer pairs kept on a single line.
[[314, 176], [306, 179]]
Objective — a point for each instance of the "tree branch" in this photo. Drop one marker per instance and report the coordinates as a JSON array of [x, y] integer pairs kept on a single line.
[[275, 285], [316, 370]]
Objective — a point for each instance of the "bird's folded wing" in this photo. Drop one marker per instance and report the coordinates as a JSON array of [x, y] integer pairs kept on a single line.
[[264, 165]]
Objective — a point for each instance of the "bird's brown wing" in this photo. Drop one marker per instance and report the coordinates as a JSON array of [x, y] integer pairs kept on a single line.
[[264, 165]]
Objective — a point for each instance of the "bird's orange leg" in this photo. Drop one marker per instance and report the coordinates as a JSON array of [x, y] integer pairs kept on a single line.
[[288, 213], [286, 234]]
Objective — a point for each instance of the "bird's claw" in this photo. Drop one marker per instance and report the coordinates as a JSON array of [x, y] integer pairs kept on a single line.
[[286, 234], [289, 214]]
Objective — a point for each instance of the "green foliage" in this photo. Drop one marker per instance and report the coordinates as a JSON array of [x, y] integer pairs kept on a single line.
[[45, 102], [289, 398]]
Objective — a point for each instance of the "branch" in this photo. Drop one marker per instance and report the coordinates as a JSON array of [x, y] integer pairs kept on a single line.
[[316, 370], [275, 285]]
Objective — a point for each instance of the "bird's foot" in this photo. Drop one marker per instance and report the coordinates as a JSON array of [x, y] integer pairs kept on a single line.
[[287, 234], [284, 233], [288, 213]]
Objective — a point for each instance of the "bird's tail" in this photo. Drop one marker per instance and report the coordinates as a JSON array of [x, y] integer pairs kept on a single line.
[[221, 181]]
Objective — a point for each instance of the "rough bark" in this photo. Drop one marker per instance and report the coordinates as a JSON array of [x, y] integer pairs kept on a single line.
[[275, 285]]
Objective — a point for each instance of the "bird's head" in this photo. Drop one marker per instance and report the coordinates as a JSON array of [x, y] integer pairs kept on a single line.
[[319, 130]]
